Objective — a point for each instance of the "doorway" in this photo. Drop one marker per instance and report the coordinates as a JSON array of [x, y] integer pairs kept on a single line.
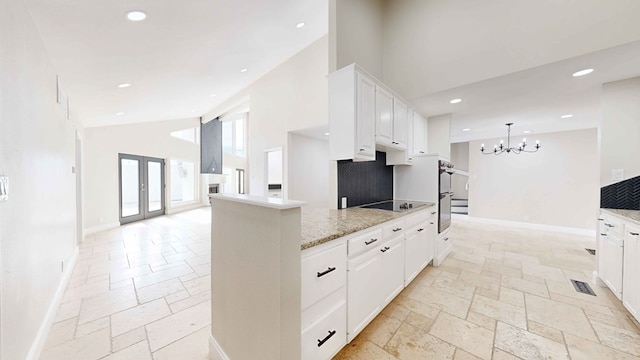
[[142, 194]]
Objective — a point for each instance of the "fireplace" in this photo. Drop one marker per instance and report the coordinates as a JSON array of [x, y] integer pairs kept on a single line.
[[213, 189]]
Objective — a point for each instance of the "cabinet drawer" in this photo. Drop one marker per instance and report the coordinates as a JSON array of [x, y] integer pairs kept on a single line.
[[324, 338], [323, 273], [613, 226], [392, 228], [366, 241]]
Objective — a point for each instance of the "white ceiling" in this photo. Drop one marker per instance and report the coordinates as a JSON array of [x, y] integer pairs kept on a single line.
[[534, 99], [174, 60]]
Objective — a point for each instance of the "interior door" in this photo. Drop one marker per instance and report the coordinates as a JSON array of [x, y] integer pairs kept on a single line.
[[141, 187]]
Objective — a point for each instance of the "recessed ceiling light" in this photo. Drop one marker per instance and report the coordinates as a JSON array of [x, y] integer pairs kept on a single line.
[[299, 25], [327, 134], [566, 116], [583, 72], [119, 113], [527, 131], [466, 129], [136, 15], [243, 70], [124, 85], [455, 101]]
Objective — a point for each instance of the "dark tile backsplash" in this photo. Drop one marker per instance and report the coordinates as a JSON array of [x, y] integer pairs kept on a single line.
[[365, 182], [623, 195]]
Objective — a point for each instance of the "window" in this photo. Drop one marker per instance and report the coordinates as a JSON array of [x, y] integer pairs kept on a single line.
[[191, 135], [240, 181], [233, 137], [183, 181]]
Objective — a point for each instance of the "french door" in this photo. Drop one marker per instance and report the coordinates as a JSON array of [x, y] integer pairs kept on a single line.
[[141, 187]]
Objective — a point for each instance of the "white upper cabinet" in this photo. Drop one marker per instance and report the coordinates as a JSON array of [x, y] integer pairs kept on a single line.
[[384, 117], [352, 113], [419, 134], [400, 123]]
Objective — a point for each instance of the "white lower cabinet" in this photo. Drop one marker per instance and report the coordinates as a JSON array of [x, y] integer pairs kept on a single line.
[[418, 251], [325, 337], [363, 300], [631, 284], [392, 271], [611, 258]]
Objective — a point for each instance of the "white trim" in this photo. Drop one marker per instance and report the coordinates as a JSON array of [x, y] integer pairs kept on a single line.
[[99, 228], [544, 227], [215, 350], [180, 207], [43, 332]]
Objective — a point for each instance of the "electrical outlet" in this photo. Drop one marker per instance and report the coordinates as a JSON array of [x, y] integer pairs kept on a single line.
[[4, 188]]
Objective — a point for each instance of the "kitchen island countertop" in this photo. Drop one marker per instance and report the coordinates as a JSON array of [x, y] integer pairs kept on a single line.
[[322, 225], [631, 215]]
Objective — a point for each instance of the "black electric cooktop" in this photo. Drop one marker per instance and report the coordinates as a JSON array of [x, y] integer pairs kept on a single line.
[[394, 205]]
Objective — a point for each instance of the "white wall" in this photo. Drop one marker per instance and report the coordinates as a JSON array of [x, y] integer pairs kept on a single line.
[[356, 28], [309, 171], [292, 96], [433, 45], [620, 129], [460, 159], [439, 135], [37, 152], [101, 148], [556, 186]]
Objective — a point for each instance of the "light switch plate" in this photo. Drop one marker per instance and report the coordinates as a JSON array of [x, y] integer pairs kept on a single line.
[[4, 188]]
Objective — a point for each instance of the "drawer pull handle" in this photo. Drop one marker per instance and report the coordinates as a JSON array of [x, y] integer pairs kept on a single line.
[[321, 274], [321, 342], [421, 229], [600, 219], [431, 223], [385, 249], [421, 152], [608, 225], [396, 229], [446, 239], [361, 149], [370, 241], [633, 233], [433, 212], [602, 234]]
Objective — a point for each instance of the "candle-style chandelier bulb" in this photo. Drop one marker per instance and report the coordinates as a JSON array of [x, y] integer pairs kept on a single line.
[[497, 150]]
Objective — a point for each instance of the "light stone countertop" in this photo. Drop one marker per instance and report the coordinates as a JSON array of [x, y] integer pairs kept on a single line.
[[630, 215], [322, 225]]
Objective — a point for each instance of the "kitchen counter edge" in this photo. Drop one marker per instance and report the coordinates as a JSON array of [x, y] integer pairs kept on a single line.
[[630, 215], [323, 225]]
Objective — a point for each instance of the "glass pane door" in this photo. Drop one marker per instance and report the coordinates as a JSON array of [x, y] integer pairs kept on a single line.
[[141, 187]]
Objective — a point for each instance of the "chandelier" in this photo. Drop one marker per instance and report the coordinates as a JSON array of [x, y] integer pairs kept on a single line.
[[499, 149]]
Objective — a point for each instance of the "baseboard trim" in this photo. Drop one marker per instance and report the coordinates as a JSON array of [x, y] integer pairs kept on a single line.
[[186, 207], [99, 228], [43, 332], [554, 228], [215, 350]]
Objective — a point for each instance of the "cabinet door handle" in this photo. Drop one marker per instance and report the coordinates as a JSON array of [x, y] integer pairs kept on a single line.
[[434, 212], [421, 152], [633, 233], [331, 333], [431, 223], [600, 219], [608, 225], [410, 159], [396, 229], [602, 234], [421, 229], [361, 149], [446, 239], [330, 269], [370, 241], [385, 249]]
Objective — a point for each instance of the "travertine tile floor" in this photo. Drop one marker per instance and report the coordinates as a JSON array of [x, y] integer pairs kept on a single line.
[[142, 291]]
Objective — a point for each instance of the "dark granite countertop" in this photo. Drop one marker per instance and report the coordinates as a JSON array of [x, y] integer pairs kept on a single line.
[[322, 225]]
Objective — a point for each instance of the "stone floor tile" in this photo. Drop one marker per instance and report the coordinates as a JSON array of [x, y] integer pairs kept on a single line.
[[464, 335], [89, 347], [127, 339], [482, 320], [525, 286], [159, 290], [499, 310], [192, 347], [419, 321], [138, 351], [138, 316], [93, 326], [176, 326], [559, 316], [381, 329], [510, 296], [411, 343], [362, 349], [546, 331], [396, 311], [463, 355], [617, 338], [106, 304], [583, 349], [61, 332], [526, 345]]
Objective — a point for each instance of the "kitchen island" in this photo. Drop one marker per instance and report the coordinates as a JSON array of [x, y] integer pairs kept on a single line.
[[300, 283]]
